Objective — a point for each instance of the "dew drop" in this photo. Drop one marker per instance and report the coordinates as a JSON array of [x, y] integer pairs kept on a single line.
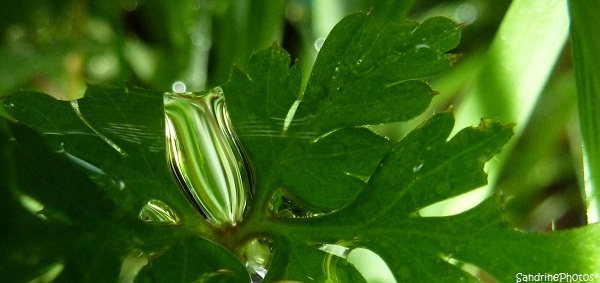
[[319, 43], [423, 46], [417, 168], [158, 212], [205, 156], [466, 13], [179, 87], [256, 255]]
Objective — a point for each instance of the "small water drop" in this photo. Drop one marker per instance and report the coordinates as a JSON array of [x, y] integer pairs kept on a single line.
[[179, 87], [466, 13], [417, 168], [256, 255], [319, 43], [158, 212], [285, 206], [422, 46], [205, 156]]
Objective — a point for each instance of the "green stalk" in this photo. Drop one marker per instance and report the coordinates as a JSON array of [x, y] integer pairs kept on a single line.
[[584, 30]]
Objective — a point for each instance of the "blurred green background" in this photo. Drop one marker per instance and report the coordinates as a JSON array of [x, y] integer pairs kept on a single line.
[[515, 66]]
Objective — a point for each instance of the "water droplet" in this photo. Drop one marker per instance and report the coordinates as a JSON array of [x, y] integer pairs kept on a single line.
[[466, 13], [337, 69], [256, 255], [130, 5], [205, 156], [158, 212], [319, 43], [197, 38], [422, 46], [285, 206], [179, 87], [417, 168]]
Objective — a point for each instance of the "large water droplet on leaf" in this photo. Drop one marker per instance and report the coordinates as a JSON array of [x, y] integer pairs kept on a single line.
[[205, 157], [284, 205], [256, 255], [158, 212]]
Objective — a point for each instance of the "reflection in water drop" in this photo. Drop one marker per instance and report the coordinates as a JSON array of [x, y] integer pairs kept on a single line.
[[256, 255], [158, 212], [472, 269], [205, 157], [284, 206]]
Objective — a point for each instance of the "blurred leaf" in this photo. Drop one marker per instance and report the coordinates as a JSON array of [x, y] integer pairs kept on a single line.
[[587, 75]]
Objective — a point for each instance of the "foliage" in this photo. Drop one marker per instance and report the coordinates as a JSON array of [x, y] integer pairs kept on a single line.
[[322, 180]]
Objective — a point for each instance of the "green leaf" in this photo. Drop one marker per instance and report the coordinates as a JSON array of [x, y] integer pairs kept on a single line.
[[108, 163], [323, 183], [587, 74]]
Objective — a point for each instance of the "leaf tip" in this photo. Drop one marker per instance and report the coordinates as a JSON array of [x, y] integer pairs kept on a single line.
[[370, 13]]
